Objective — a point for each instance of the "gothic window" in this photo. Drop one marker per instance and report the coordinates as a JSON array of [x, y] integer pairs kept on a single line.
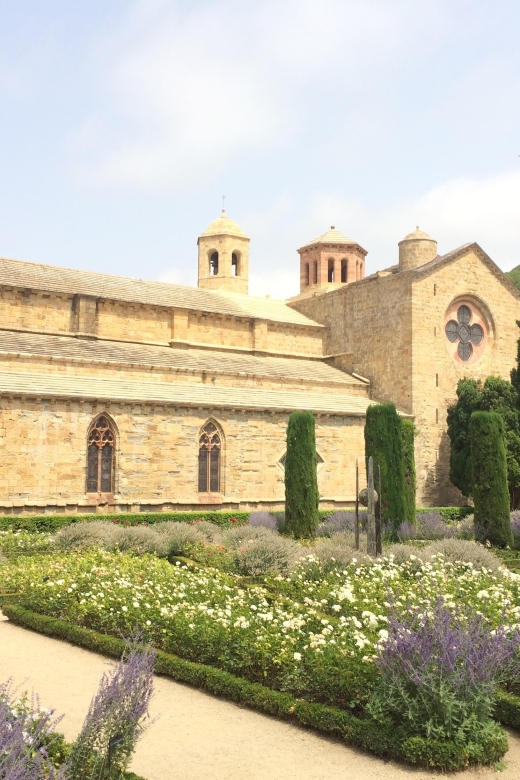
[[344, 270], [462, 333], [235, 267], [210, 447], [100, 456], [330, 276], [213, 264]]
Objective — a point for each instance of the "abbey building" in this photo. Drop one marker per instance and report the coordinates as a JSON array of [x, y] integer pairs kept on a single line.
[[120, 394]]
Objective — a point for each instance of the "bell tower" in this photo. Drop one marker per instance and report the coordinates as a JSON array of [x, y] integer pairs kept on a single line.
[[224, 257], [330, 261]]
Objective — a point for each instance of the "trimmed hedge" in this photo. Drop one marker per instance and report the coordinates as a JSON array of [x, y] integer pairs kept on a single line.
[[384, 740], [50, 523]]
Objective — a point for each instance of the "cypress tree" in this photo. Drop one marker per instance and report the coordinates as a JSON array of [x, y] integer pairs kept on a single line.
[[301, 482], [407, 444], [383, 441], [489, 467]]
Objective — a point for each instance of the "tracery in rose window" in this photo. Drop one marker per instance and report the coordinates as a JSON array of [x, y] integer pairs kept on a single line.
[[100, 456], [210, 447], [463, 332]]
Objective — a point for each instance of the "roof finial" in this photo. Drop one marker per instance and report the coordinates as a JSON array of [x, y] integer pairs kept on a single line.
[[223, 205]]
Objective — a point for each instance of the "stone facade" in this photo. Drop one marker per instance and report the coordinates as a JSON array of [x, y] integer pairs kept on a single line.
[[156, 363]]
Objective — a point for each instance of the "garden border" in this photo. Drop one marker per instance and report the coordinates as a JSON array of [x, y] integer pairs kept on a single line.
[[364, 733]]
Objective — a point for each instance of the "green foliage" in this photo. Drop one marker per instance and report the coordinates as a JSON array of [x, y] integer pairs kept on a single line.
[[301, 482], [407, 444], [459, 415], [495, 395], [383, 442], [450, 514], [382, 739], [514, 276], [489, 471], [51, 523]]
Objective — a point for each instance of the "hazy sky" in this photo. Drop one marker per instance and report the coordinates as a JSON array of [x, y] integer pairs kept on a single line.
[[123, 123]]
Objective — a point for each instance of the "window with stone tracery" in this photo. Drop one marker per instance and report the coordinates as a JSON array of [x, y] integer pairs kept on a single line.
[[210, 448], [100, 456]]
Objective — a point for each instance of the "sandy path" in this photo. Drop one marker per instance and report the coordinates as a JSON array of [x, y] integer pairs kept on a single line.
[[197, 736]]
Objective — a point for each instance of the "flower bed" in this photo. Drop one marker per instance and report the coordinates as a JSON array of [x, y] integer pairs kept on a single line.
[[316, 634]]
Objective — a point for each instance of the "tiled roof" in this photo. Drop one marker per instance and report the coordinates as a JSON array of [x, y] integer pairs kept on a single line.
[[17, 273], [332, 236], [177, 394], [69, 348]]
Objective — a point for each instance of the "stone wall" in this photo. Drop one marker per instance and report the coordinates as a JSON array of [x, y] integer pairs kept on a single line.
[[370, 321], [43, 445]]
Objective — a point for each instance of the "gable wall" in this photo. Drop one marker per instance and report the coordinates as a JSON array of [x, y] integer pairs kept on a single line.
[[469, 278]]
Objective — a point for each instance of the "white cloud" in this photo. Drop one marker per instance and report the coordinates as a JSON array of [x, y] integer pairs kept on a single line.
[[185, 88]]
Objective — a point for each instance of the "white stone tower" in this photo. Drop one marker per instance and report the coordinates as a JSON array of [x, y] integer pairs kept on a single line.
[[224, 257]]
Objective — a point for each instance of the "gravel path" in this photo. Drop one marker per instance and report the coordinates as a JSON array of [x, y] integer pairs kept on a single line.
[[197, 736]]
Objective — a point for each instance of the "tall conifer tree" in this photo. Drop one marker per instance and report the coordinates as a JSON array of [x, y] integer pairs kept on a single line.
[[384, 442], [301, 482], [407, 443], [489, 466]]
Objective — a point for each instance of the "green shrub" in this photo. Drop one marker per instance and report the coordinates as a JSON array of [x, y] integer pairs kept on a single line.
[[51, 523], [301, 482], [489, 472], [455, 550], [383, 441]]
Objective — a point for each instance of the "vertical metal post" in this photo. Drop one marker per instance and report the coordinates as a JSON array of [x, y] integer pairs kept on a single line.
[[356, 529], [371, 528], [379, 541]]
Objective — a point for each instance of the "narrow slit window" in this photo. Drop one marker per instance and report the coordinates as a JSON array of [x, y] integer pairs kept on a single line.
[[100, 457], [330, 272], [344, 270], [307, 274], [210, 447], [315, 279]]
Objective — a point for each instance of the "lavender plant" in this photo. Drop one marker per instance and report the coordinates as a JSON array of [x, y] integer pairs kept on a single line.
[[26, 733], [440, 671], [116, 718], [264, 520]]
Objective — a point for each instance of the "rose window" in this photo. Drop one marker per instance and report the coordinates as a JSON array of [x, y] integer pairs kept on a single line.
[[463, 333]]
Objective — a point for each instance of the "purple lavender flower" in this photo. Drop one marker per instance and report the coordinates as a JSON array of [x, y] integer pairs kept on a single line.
[[515, 522], [24, 732], [117, 716], [264, 520], [440, 671], [339, 522]]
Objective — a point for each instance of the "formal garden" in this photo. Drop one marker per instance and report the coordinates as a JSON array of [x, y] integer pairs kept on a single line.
[[412, 654]]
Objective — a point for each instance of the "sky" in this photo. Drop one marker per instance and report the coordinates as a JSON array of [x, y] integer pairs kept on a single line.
[[122, 125]]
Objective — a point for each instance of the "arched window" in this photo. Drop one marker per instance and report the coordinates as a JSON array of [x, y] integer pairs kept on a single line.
[[100, 456], [330, 271], [344, 270], [213, 264], [235, 264], [210, 447]]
